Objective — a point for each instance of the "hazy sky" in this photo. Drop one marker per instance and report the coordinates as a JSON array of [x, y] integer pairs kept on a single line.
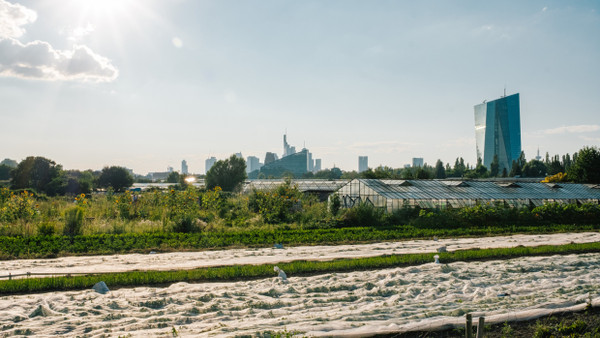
[[147, 83]]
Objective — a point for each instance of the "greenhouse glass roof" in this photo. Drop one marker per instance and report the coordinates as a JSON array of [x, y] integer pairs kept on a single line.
[[303, 185], [449, 190]]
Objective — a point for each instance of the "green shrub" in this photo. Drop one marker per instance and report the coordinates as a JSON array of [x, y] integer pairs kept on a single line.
[[363, 214], [46, 229], [74, 217]]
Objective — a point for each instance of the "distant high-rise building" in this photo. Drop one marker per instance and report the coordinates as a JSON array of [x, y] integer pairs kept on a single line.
[[417, 162], [317, 164], [363, 163], [296, 164], [170, 169], [252, 164], [209, 163], [498, 131], [538, 157], [311, 162], [270, 157], [287, 149], [184, 167], [239, 155]]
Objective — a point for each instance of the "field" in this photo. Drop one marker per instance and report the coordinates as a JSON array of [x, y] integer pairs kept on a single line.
[[428, 296], [177, 266]]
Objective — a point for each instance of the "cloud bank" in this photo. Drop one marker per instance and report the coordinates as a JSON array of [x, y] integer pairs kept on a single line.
[[39, 60], [583, 128]]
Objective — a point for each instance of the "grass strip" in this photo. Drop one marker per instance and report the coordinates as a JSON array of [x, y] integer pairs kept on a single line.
[[56, 246], [296, 268]]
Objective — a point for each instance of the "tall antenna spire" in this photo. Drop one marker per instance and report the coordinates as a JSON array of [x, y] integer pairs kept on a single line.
[[505, 90]]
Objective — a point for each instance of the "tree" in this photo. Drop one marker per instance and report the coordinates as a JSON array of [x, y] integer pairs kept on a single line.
[[534, 168], [173, 177], [422, 174], [495, 166], [228, 174], [515, 169], [40, 174], [440, 171], [118, 178], [5, 172], [586, 166]]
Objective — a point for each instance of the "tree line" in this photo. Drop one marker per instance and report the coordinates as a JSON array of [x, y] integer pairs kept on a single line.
[[42, 175], [45, 176], [582, 167]]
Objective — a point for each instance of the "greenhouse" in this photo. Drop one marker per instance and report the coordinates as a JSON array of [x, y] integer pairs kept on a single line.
[[395, 194]]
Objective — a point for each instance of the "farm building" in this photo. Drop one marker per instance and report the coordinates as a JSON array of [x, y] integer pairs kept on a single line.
[[394, 194]]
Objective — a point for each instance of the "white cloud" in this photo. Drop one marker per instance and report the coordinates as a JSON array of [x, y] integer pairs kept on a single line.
[[12, 17], [39, 60], [78, 33], [544, 9], [583, 128]]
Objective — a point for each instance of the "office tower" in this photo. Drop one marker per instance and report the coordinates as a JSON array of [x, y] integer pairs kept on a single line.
[[184, 167], [287, 149], [498, 131], [239, 155], [317, 164], [270, 157], [209, 163], [296, 164], [417, 162], [252, 164], [363, 163]]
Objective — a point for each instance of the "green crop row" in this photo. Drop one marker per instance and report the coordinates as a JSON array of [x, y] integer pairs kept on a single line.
[[56, 245], [296, 268]]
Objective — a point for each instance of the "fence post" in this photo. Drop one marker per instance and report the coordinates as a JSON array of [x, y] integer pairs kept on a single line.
[[480, 327], [9, 276], [28, 274], [469, 326]]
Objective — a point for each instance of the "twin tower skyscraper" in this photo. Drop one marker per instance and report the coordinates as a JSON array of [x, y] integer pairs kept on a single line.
[[498, 131]]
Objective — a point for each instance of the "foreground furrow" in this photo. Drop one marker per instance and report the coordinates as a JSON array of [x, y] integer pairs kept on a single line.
[[355, 303]]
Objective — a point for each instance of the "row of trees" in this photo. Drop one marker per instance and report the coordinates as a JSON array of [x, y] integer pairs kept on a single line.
[[583, 167], [45, 176]]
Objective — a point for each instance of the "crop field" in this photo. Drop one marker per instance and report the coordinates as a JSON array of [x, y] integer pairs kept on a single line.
[[426, 296], [198, 259]]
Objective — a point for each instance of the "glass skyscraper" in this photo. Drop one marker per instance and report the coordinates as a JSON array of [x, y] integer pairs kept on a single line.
[[498, 131]]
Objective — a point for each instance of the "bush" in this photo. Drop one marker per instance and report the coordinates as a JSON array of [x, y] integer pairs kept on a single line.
[[46, 229], [363, 215], [185, 224], [74, 217]]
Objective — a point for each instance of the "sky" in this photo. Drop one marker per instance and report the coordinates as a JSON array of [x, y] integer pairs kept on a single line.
[[146, 83]]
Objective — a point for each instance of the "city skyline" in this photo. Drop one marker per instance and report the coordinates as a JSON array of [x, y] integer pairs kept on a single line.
[[145, 84]]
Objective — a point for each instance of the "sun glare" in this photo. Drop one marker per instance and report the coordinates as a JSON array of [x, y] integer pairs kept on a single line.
[[108, 7]]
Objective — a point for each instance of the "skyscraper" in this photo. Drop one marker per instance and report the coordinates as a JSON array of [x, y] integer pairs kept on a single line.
[[363, 163], [184, 167], [252, 163], [317, 165], [287, 149], [209, 163], [498, 131], [417, 162]]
